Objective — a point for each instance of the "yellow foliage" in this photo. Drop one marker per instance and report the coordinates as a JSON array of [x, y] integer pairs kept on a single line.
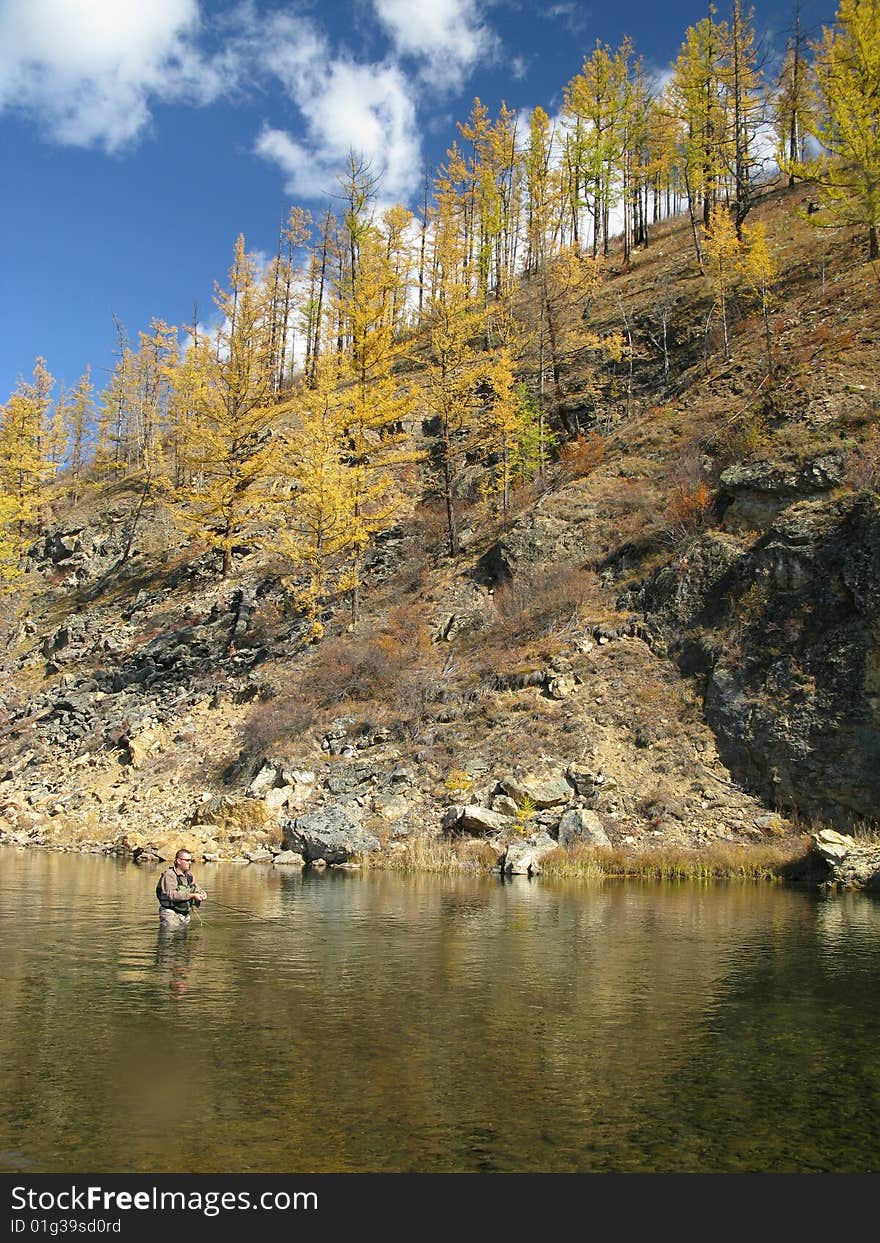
[[25, 466], [9, 542], [225, 393], [846, 72], [757, 264], [722, 248], [458, 782]]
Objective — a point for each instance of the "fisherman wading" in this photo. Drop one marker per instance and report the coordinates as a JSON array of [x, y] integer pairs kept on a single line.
[[177, 891]]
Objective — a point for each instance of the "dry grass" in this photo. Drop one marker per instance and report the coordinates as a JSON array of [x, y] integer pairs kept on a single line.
[[436, 854], [288, 715], [549, 599], [720, 861]]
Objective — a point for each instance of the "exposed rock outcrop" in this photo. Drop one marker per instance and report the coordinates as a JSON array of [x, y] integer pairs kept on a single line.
[[850, 864], [230, 814], [754, 493], [474, 819], [547, 789], [786, 632]]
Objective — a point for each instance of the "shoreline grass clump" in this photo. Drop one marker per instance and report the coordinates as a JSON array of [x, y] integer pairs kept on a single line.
[[436, 854], [719, 861]]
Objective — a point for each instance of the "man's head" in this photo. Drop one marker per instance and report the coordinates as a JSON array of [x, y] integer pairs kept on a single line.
[[183, 859]]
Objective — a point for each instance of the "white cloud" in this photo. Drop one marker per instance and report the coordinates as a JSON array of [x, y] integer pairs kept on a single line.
[[574, 16], [448, 36], [294, 160], [88, 69], [289, 48], [367, 108]]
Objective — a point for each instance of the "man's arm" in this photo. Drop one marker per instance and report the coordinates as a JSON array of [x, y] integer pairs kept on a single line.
[[198, 892]]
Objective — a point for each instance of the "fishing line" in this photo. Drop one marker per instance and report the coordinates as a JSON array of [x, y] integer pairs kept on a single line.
[[237, 910]]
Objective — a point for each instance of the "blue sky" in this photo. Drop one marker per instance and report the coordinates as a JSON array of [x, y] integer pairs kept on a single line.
[[140, 137]]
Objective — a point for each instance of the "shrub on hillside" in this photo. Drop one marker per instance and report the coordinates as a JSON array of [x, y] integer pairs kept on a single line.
[[862, 467], [371, 664], [580, 456], [691, 498], [290, 713], [545, 601]]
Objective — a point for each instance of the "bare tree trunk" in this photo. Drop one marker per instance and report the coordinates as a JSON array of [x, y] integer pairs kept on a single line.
[[316, 340], [451, 524], [423, 244], [694, 230]]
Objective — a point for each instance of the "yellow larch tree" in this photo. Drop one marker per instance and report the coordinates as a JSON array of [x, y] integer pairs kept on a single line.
[[760, 269], [664, 155], [846, 119], [134, 407], [10, 542], [506, 171], [25, 464], [567, 283], [281, 286], [72, 428], [722, 249], [595, 104], [505, 425], [187, 378], [465, 173], [228, 458], [396, 229], [697, 97], [373, 401], [745, 111], [151, 373], [635, 153], [791, 103], [539, 184], [325, 528], [456, 322], [110, 455]]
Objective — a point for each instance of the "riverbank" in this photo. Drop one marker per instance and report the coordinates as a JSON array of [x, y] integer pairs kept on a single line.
[[824, 859]]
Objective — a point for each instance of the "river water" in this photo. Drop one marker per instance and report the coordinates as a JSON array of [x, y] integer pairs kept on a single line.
[[348, 1022]]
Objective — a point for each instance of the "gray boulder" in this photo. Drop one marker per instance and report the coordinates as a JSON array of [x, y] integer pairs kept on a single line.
[[541, 790], [329, 833], [581, 826], [851, 864], [345, 778], [524, 858], [266, 779], [288, 858], [474, 819]]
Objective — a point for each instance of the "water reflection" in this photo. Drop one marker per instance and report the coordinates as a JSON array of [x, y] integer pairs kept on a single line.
[[177, 952], [845, 924], [376, 1022]]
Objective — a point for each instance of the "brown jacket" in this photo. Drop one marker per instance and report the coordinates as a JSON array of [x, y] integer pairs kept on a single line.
[[173, 890]]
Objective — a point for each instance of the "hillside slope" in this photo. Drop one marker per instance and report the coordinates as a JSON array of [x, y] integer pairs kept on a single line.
[[671, 641]]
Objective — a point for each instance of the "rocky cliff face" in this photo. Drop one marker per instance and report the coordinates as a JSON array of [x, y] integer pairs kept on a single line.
[[784, 630]]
